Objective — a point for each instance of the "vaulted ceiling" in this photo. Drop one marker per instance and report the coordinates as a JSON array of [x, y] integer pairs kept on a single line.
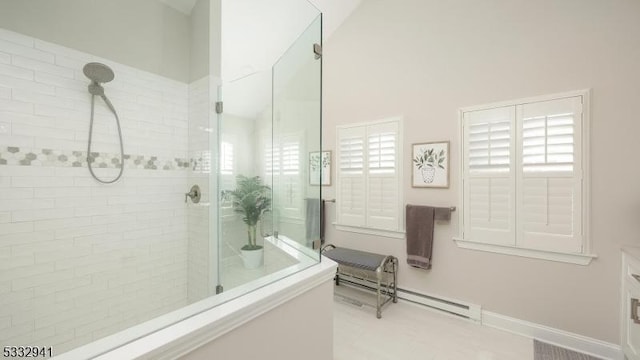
[[335, 12], [184, 6]]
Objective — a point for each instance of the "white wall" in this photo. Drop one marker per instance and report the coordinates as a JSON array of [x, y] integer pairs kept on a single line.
[[426, 59], [145, 34], [334, 13], [301, 328], [80, 260], [256, 33], [200, 40]]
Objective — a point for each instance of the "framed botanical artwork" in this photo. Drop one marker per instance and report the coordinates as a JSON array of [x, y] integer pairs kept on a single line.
[[320, 168], [430, 165]]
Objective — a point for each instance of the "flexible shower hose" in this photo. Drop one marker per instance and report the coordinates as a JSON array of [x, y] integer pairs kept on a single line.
[[113, 110]]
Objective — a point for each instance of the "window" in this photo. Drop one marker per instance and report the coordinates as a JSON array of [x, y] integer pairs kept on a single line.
[[282, 162], [227, 174], [226, 158], [202, 162], [291, 157], [523, 186], [227, 179], [369, 178], [271, 160]]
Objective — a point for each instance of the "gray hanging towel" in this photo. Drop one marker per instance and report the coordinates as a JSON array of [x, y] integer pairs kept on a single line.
[[314, 219], [420, 221], [322, 220]]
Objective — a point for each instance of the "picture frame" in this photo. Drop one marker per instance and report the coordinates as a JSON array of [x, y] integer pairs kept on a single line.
[[320, 168], [430, 165]]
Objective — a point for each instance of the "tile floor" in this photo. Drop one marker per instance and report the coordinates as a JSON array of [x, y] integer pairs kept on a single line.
[[233, 272], [408, 331]]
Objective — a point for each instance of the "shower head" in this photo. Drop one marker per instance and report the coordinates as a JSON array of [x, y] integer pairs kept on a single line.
[[97, 72]]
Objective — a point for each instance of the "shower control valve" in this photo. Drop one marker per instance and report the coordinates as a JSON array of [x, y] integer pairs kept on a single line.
[[194, 194]]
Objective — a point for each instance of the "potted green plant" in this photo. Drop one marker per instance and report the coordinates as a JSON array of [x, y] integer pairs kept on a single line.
[[251, 199], [427, 162]]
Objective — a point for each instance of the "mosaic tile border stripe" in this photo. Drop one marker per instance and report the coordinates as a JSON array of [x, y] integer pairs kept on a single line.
[[14, 155]]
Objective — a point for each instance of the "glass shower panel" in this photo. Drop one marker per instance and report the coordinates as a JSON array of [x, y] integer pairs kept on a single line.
[[298, 160], [245, 182]]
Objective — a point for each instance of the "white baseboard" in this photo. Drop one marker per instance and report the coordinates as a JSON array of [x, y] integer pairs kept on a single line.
[[565, 339], [474, 312]]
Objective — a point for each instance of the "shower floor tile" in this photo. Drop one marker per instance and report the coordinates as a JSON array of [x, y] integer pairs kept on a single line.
[[235, 274]]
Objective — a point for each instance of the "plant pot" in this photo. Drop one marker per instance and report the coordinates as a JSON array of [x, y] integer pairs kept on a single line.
[[428, 174], [253, 259]]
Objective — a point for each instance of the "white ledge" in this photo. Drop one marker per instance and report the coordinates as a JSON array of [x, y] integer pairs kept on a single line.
[[578, 259], [294, 248]]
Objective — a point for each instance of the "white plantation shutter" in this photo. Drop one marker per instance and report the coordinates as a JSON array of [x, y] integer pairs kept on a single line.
[[550, 178], [369, 176], [289, 179], [291, 157], [282, 166], [226, 158], [489, 176], [382, 176], [227, 180], [351, 179], [382, 149], [202, 162], [272, 160], [523, 182]]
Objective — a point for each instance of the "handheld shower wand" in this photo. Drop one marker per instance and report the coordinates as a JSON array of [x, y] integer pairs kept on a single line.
[[99, 73]]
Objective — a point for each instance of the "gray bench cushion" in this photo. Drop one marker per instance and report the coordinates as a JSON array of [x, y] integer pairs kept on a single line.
[[355, 258]]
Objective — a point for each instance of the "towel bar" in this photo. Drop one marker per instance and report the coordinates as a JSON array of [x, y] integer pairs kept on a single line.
[[331, 200]]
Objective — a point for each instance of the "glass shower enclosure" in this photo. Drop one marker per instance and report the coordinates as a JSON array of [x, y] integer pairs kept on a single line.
[[87, 266], [269, 126]]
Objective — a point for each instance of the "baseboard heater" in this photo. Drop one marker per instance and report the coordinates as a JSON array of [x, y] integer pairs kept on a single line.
[[454, 307]]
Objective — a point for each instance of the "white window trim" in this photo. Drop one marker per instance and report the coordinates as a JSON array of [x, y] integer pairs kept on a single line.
[[583, 258], [371, 231], [400, 234], [578, 259]]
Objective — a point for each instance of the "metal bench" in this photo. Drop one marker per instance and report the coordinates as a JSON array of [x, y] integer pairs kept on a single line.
[[366, 270]]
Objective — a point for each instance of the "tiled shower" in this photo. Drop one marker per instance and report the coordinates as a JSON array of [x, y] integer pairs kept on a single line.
[[82, 261]]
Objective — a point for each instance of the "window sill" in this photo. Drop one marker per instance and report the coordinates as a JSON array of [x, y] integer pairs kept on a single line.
[[371, 231], [578, 259]]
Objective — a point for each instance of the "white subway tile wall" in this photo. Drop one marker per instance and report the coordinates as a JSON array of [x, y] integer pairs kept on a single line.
[[80, 260]]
